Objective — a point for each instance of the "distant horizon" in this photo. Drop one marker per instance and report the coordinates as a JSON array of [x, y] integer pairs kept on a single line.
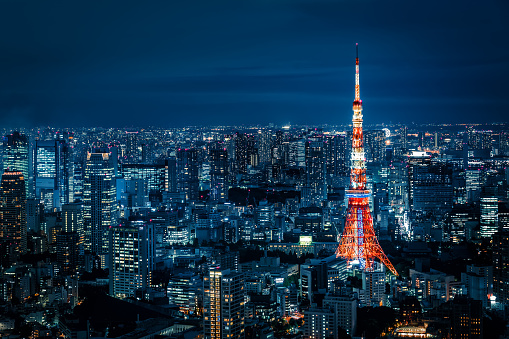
[[254, 126]]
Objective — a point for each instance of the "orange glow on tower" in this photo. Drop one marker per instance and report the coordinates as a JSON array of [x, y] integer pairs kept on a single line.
[[359, 241]]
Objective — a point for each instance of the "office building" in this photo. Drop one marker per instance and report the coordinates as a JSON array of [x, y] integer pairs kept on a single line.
[[183, 290], [345, 311], [187, 172], [500, 267], [245, 152], [315, 186], [53, 173], [13, 227], [69, 252], [489, 216], [170, 181], [132, 153], [374, 145], [72, 219], [99, 201], [430, 185], [319, 323], [223, 304], [154, 175], [132, 255], [16, 156], [373, 286], [219, 174]]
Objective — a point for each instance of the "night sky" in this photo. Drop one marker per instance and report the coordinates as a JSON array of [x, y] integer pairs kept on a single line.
[[204, 62]]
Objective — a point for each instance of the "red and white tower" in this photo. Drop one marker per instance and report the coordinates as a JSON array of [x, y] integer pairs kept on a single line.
[[359, 241]]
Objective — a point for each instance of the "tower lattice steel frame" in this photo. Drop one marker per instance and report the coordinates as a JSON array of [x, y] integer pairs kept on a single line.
[[359, 241]]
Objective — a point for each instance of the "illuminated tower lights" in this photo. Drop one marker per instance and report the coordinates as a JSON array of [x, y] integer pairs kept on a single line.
[[359, 242]]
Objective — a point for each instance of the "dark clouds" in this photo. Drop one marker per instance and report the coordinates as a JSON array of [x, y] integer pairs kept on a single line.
[[173, 63]]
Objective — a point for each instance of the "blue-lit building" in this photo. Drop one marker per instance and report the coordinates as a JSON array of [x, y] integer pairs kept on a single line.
[[53, 173], [99, 201]]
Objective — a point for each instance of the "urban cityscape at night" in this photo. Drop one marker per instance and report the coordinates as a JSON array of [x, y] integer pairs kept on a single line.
[[292, 169]]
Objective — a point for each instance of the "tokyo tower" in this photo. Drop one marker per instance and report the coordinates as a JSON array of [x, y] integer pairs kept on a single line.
[[359, 241]]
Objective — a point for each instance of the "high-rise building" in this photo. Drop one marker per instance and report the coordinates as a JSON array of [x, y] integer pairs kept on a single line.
[[187, 172], [16, 156], [479, 282], [319, 323], [345, 311], [264, 145], [154, 175], [69, 252], [228, 260], [170, 166], [53, 173], [223, 304], [99, 201], [35, 212], [463, 317], [489, 216], [430, 186], [500, 267], [404, 136], [297, 152], [219, 174], [336, 155], [315, 187], [373, 285], [475, 178], [132, 253], [72, 220], [374, 143], [13, 227], [244, 151], [183, 290], [132, 153]]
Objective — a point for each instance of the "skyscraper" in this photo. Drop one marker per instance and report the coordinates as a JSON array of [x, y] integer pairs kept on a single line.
[[99, 196], [53, 173], [132, 152], [336, 155], [223, 304], [244, 151], [219, 174], [13, 227], [374, 143], [489, 216], [154, 175], [500, 267], [430, 185], [170, 173], [69, 252], [72, 219], [319, 323], [187, 172], [132, 253], [315, 189], [16, 156]]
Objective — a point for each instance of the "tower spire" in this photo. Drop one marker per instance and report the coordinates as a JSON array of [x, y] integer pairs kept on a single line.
[[359, 241]]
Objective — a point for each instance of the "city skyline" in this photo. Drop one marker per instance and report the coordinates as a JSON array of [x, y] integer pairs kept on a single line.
[[200, 63]]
